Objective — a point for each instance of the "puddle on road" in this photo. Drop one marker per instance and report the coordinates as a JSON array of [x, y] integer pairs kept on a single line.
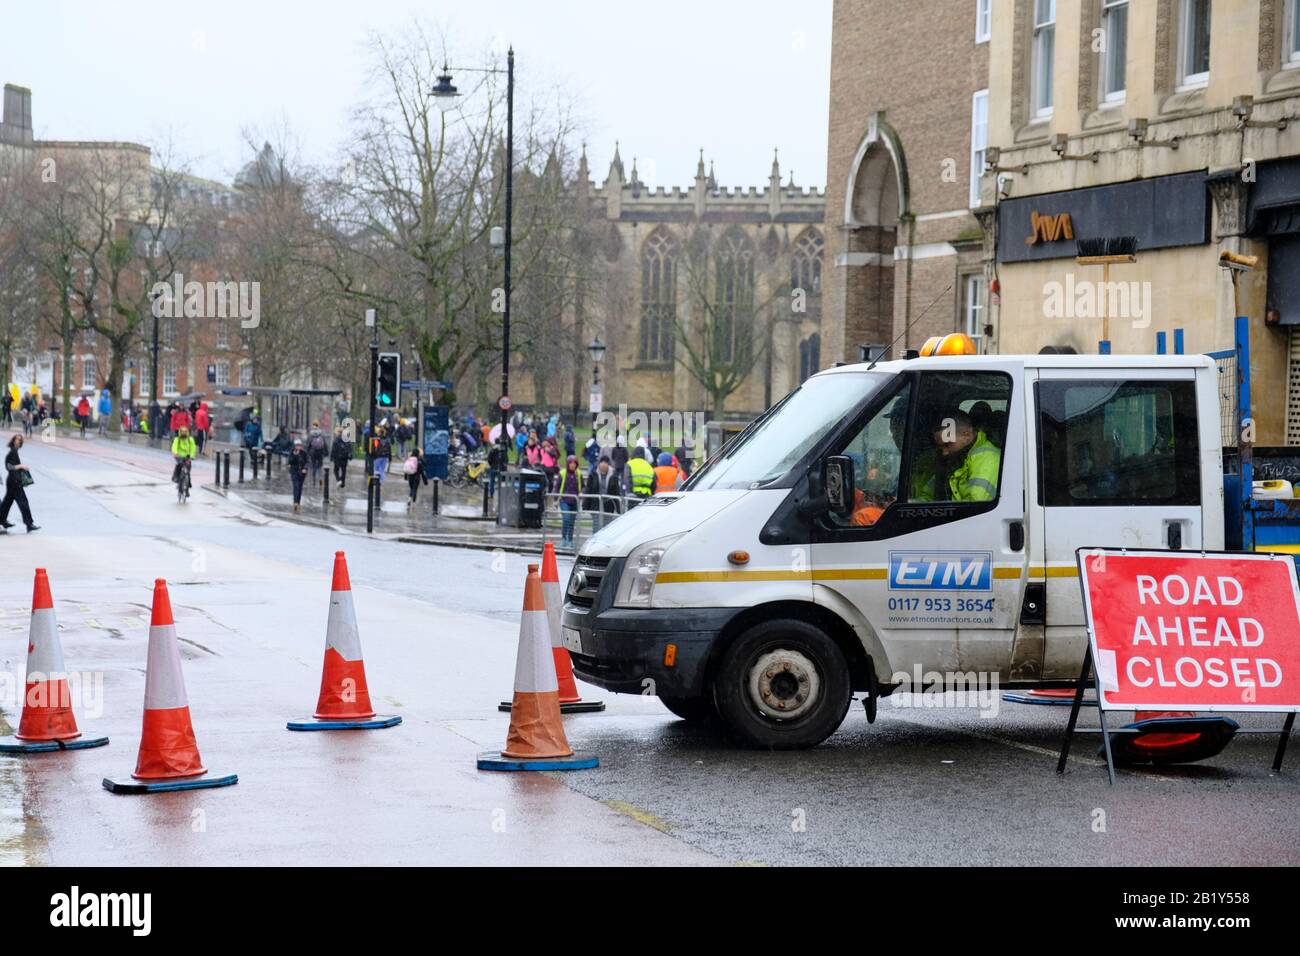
[[21, 840]]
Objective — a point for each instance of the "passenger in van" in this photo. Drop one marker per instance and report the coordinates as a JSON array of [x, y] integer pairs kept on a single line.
[[962, 466]]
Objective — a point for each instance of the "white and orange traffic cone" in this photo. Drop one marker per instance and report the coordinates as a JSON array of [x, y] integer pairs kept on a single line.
[[47, 723], [571, 701], [536, 738], [344, 702], [169, 754]]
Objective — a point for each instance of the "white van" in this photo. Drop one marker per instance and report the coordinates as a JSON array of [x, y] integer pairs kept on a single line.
[[920, 513]]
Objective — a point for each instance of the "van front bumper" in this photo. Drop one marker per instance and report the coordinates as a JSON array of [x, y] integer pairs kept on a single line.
[[626, 650]]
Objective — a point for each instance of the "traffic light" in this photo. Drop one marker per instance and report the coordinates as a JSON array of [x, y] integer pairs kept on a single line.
[[389, 379]]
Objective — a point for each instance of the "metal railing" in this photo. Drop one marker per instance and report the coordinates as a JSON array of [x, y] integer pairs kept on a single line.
[[594, 513]]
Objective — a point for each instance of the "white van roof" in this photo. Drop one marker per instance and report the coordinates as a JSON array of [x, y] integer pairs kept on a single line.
[[1030, 361]]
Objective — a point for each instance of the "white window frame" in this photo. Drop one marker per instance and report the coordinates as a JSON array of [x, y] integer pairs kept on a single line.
[[169, 379], [983, 21], [223, 334], [1113, 97], [1041, 92], [89, 372], [973, 306], [245, 374], [142, 382], [978, 143], [223, 373], [1189, 81], [1291, 36]]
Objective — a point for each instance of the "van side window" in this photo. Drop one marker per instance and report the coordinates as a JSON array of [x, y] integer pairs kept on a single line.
[[1118, 443], [877, 453], [958, 435]]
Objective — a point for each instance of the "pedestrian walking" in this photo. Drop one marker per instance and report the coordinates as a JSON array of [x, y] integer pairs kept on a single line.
[[568, 485], [604, 492], [403, 434], [297, 471], [7, 406], [18, 477], [202, 425], [382, 445], [105, 409], [413, 469], [340, 455], [83, 414], [317, 447], [253, 433]]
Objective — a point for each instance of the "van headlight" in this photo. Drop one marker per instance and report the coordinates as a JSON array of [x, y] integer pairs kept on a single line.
[[637, 585]]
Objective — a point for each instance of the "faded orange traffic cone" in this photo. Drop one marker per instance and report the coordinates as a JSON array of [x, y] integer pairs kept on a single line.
[[571, 701], [536, 739], [344, 702], [47, 723], [169, 753]]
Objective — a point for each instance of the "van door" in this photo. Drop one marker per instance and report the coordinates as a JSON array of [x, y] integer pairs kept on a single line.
[[1118, 466], [933, 557]]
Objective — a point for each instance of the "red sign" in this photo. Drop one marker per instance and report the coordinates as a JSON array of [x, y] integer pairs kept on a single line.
[[1175, 631]]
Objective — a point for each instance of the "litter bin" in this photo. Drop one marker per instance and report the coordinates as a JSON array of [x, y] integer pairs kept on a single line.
[[523, 498]]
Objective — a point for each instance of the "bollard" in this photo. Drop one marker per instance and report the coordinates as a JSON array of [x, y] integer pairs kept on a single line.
[[436, 483], [217, 458], [226, 477], [241, 466], [325, 486], [485, 499], [256, 462]]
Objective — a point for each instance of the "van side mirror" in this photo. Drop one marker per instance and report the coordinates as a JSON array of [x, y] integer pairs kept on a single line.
[[837, 478]]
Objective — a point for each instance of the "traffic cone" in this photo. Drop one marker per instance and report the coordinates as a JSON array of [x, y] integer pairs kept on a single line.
[[1050, 696], [344, 702], [536, 738], [47, 723], [169, 755], [571, 701]]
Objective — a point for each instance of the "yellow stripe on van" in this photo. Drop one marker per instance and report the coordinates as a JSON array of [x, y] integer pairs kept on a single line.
[[821, 574], [1038, 572]]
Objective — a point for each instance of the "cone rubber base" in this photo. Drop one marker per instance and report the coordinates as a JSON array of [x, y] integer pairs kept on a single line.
[[1020, 697], [204, 782], [493, 760], [573, 707], [12, 745], [378, 722]]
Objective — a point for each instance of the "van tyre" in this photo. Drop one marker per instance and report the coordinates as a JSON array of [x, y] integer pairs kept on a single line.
[[783, 685], [693, 710]]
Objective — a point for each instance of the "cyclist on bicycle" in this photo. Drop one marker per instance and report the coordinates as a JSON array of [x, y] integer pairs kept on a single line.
[[184, 449]]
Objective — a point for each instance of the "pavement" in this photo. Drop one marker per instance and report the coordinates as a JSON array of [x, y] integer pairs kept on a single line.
[[439, 625]]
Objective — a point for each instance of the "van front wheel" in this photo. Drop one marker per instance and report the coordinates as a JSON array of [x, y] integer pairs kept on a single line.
[[783, 685]]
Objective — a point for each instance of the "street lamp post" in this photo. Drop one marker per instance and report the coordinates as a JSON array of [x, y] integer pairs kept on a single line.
[[446, 94], [597, 350], [153, 375], [370, 434]]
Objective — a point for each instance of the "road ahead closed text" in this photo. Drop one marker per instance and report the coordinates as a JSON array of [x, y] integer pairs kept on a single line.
[[1203, 632]]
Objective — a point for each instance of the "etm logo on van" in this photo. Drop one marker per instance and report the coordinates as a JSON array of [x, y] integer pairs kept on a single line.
[[940, 570]]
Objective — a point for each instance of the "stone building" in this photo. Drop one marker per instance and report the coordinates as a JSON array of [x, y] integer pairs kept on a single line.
[[1174, 121], [908, 114], [671, 266]]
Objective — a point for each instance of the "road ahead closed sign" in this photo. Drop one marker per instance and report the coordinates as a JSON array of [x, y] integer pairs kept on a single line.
[[1185, 631]]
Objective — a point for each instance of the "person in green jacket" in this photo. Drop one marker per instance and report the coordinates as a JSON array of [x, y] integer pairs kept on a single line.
[[184, 449], [962, 466], [643, 476]]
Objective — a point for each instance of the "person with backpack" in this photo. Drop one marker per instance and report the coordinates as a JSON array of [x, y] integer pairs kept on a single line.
[[317, 447], [413, 470], [340, 455]]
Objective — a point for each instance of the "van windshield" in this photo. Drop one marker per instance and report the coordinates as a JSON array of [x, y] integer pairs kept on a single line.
[[788, 431]]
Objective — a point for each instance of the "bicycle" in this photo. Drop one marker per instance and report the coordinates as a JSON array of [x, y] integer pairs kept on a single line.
[[182, 480]]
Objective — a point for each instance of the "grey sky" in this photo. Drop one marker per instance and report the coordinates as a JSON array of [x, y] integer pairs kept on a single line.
[[737, 77]]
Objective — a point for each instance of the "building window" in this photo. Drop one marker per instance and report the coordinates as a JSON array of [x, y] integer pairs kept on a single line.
[[223, 373], [979, 141], [733, 303], [169, 332], [973, 307], [1291, 34], [245, 374], [806, 269], [1114, 55], [983, 20], [169, 378], [658, 298], [1194, 43], [143, 366], [810, 356], [1044, 54], [89, 372], [223, 336]]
